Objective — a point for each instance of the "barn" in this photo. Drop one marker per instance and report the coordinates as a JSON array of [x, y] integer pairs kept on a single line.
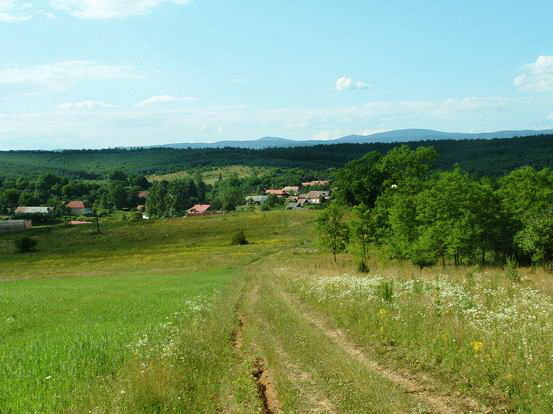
[[199, 210], [13, 226]]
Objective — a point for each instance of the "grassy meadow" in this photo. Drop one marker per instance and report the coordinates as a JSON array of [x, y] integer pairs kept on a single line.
[[90, 314], [213, 174], [167, 316]]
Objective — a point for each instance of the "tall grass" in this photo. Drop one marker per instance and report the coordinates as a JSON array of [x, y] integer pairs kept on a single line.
[[486, 333]]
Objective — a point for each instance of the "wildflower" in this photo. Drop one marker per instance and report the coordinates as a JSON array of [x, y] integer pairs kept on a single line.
[[382, 313], [477, 346]]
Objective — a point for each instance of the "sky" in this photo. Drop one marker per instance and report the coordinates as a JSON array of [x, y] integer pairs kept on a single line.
[[107, 73]]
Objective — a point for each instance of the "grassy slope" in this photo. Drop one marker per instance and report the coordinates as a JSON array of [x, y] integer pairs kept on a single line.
[[145, 318], [75, 315]]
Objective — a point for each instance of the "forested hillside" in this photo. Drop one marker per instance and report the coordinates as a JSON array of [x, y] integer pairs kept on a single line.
[[481, 157]]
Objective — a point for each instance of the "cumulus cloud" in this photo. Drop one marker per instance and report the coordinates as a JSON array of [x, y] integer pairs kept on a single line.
[[344, 83], [84, 105], [163, 99], [14, 11], [109, 9], [537, 76], [60, 74]]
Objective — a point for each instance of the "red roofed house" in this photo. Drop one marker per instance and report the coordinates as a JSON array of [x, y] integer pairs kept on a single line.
[[77, 208], [279, 193], [199, 210], [143, 194]]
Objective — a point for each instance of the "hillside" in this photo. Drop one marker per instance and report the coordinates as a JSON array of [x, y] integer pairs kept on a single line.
[[479, 156], [398, 135]]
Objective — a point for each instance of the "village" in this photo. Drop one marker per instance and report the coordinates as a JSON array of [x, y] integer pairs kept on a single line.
[[76, 212]]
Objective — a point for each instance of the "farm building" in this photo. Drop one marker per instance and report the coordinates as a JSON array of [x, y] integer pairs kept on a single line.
[[256, 199], [45, 211], [317, 197], [199, 210], [12, 226], [77, 208]]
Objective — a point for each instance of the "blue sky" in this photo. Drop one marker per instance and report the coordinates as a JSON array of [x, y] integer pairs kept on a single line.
[[99, 73]]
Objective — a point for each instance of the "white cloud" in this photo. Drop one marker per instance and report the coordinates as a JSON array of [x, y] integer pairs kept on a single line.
[[84, 105], [82, 126], [109, 9], [61, 74], [344, 83], [163, 99], [13, 11], [537, 76]]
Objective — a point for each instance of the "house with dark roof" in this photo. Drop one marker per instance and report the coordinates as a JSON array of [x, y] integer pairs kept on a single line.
[[256, 199]]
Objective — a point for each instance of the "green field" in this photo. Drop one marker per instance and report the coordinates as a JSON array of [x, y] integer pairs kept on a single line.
[[83, 311], [168, 316], [213, 175]]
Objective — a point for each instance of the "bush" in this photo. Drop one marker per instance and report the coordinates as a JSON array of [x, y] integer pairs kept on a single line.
[[25, 244], [363, 267], [386, 291], [511, 270], [239, 238]]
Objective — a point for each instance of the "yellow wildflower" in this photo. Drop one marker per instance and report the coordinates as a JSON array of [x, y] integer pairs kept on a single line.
[[382, 313], [477, 346]]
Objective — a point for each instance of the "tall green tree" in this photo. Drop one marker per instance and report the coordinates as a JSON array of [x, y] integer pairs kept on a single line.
[[333, 231], [363, 229]]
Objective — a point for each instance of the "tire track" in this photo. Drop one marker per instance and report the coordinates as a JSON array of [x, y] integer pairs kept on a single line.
[[437, 402], [266, 390]]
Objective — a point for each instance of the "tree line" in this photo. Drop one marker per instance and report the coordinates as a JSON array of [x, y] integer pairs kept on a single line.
[[402, 204], [482, 157]]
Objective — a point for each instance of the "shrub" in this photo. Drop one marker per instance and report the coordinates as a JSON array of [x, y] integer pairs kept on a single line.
[[363, 267], [386, 291], [25, 244], [239, 238], [511, 270]]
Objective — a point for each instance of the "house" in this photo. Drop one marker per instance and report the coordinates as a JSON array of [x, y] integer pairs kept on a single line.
[[12, 226], [278, 193], [294, 206], [317, 197], [143, 194], [39, 211], [320, 183], [199, 210], [256, 199], [291, 189], [77, 208]]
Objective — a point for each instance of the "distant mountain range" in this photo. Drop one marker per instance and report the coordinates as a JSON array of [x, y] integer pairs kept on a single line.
[[399, 135]]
